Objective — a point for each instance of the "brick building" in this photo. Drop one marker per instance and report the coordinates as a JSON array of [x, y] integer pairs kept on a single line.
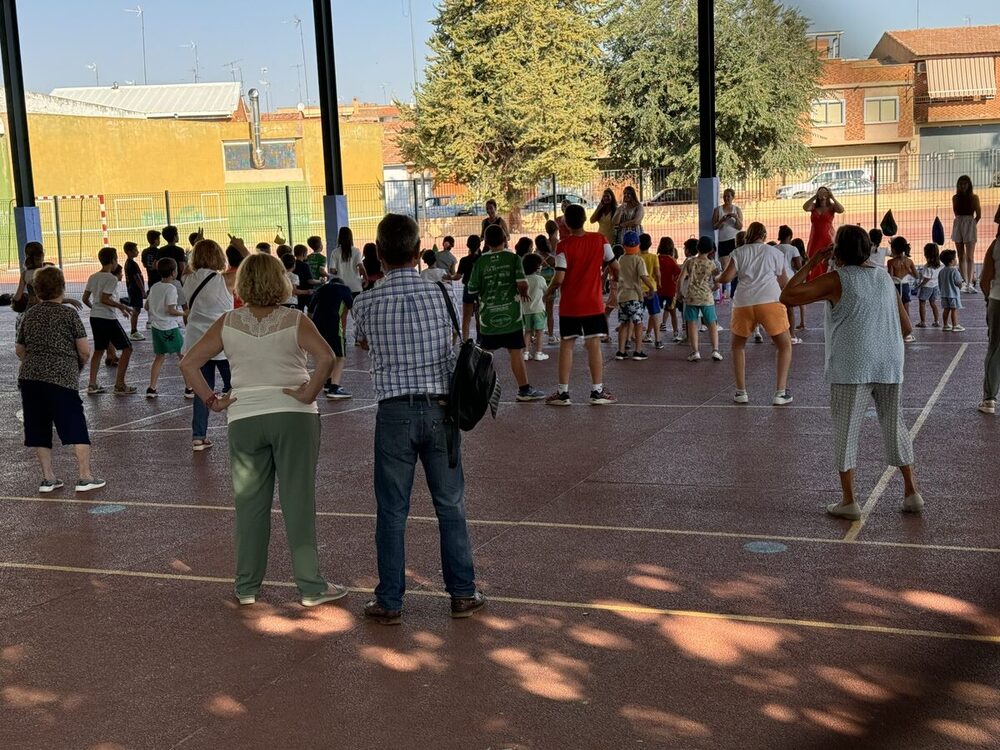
[[955, 107]]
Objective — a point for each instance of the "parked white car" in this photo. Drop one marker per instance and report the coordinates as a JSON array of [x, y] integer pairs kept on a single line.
[[809, 188]]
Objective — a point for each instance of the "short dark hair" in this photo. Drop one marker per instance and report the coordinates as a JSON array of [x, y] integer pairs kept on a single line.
[[448, 238], [532, 263], [429, 257], [130, 246], [300, 251], [315, 243], [474, 243], [645, 242], [852, 246], [523, 246], [152, 236], [166, 267], [875, 235], [34, 255], [618, 251], [48, 283], [785, 233], [576, 215], [233, 256], [494, 236], [948, 256], [705, 245], [170, 234], [690, 247], [107, 255], [263, 247], [193, 238], [288, 260], [397, 239], [282, 250]]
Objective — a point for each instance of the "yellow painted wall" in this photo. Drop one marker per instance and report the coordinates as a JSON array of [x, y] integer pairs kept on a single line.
[[82, 155]]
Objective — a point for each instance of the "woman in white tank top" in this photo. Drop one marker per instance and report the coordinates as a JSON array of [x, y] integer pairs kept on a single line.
[[273, 423]]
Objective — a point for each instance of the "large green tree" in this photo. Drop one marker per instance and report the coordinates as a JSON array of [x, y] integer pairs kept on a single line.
[[765, 84], [513, 94]]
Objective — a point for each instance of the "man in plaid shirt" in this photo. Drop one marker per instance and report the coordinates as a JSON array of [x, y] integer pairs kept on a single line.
[[405, 325]]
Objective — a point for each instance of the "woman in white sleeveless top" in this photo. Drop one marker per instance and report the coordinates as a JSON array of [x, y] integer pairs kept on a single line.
[[865, 326], [273, 423]]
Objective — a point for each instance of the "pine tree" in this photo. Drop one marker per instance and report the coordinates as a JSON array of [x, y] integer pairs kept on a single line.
[[765, 83], [513, 95]]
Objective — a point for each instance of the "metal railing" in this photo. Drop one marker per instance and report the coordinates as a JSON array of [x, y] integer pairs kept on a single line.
[[917, 188]]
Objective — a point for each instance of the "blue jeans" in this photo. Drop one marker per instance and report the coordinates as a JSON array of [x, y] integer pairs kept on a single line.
[[199, 421], [404, 433]]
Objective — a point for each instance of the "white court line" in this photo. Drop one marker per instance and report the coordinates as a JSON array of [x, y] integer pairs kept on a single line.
[[145, 419], [883, 482]]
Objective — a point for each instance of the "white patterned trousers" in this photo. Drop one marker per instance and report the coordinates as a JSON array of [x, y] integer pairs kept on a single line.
[[848, 404]]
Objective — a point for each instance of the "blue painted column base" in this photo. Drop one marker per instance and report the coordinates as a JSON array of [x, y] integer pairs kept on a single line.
[[28, 228]]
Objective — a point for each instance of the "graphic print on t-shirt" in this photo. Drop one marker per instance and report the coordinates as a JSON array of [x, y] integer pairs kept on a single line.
[[495, 278]]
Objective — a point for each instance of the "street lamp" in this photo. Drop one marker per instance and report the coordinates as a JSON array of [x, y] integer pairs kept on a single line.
[[97, 73], [197, 68], [142, 34]]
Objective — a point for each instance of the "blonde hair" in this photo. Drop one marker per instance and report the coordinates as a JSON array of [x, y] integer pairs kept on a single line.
[[208, 254], [261, 281]]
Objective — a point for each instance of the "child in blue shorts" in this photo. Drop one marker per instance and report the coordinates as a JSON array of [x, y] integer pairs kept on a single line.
[[950, 283], [698, 276]]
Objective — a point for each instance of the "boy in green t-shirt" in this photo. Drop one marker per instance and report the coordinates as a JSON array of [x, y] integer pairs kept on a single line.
[[316, 260], [498, 278]]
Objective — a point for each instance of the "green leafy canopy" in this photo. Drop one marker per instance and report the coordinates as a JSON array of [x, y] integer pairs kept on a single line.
[[513, 94], [765, 82]]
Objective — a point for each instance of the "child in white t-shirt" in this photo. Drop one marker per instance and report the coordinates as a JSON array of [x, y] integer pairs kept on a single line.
[[163, 307], [432, 272], [927, 284], [793, 262], [288, 260], [533, 311]]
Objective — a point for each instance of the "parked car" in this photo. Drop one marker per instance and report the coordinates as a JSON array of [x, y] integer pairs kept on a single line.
[[444, 207], [809, 187], [860, 186], [669, 196], [546, 202]]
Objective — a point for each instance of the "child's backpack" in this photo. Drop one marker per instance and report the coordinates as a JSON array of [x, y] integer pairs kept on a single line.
[[474, 387], [937, 232]]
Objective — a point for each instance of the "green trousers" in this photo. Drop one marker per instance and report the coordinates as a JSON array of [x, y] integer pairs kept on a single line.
[[285, 447]]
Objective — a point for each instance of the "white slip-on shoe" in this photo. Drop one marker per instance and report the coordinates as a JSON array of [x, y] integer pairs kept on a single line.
[[852, 512], [913, 503]]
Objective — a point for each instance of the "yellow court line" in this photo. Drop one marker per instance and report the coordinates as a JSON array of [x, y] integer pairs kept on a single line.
[[883, 482], [624, 609], [536, 524]]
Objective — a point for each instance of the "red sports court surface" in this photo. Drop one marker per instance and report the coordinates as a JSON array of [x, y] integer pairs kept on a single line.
[[660, 574]]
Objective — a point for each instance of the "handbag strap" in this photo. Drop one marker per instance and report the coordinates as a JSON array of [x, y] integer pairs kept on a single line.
[[451, 308], [200, 287]]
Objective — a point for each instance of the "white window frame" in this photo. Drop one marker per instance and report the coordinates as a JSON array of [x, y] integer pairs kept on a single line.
[[880, 99], [843, 113]]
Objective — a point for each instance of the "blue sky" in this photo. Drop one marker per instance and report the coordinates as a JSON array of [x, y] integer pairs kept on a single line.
[[60, 38]]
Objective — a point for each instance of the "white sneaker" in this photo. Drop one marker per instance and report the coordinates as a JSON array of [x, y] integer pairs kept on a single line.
[[957, 329], [945, 328], [527, 356], [781, 398], [703, 329], [541, 356], [720, 328], [647, 339], [553, 340], [758, 337], [136, 336], [989, 406], [717, 355], [913, 503], [741, 397], [694, 357], [965, 288], [908, 339], [332, 594], [851, 512], [677, 338], [796, 340]]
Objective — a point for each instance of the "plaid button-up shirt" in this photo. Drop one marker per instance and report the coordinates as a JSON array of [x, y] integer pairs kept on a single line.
[[406, 323]]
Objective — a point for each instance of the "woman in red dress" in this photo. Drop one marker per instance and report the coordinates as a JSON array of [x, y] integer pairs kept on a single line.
[[822, 209]]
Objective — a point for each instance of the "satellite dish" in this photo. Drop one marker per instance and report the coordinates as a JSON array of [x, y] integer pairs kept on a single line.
[[300, 107]]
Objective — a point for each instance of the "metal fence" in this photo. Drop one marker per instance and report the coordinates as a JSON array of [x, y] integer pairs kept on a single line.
[[917, 188]]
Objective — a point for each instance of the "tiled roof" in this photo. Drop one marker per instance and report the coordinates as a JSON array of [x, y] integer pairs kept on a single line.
[[960, 40], [190, 100]]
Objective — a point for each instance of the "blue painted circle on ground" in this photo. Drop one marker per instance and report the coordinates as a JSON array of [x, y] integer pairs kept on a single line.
[[103, 510], [765, 548]]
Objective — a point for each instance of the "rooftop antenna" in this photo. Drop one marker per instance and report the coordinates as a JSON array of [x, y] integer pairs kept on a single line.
[[142, 35], [298, 73], [297, 22], [266, 83], [408, 11], [97, 73], [197, 67], [234, 69]]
